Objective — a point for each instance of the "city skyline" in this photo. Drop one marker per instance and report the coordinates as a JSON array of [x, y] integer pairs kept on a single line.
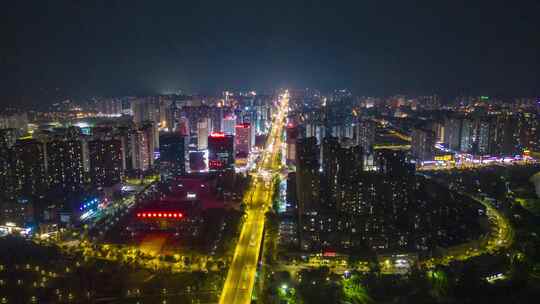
[[247, 196], [270, 152]]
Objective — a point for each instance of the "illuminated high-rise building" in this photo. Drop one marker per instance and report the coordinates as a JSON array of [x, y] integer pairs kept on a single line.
[[365, 135], [105, 157], [228, 124], [243, 140], [166, 111], [18, 121], [330, 167], [528, 126], [6, 173], [291, 137], [452, 133], [483, 141], [342, 167], [505, 135], [142, 149], [183, 126], [203, 130], [350, 169], [308, 185], [467, 135], [65, 167], [109, 107], [144, 109], [423, 144], [221, 151], [307, 174], [29, 167], [173, 153]]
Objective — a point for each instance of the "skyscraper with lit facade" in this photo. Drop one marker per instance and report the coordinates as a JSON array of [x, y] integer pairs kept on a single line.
[[173, 153], [228, 124], [243, 140], [203, 130], [221, 151]]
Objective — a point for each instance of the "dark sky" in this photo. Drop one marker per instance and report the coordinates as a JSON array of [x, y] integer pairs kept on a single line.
[[372, 47]]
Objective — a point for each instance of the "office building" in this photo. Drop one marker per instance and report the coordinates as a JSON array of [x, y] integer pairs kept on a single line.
[[291, 134], [203, 130], [173, 153], [228, 124], [221, 151], [243, 140]]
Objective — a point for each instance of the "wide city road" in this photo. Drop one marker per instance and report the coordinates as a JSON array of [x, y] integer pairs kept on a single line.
[[241, 276]]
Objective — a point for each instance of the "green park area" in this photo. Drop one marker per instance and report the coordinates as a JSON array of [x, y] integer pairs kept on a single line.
[[34, 273], [531, 204], [528, 194]]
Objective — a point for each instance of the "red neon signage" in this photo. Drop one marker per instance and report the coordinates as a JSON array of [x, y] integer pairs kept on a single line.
[[243, 126], [217, 134], [215, 164], [329, 254], [152, 215]]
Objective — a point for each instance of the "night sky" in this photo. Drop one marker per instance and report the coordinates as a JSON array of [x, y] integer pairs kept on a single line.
[[372, 47]]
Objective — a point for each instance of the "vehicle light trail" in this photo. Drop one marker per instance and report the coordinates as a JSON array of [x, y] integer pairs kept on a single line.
[[241, 276]]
